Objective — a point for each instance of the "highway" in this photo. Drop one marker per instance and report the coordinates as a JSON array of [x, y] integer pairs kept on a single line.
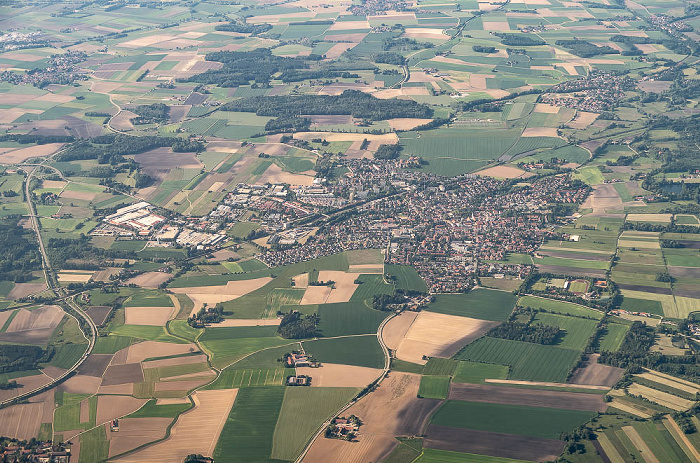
[[72, 310]]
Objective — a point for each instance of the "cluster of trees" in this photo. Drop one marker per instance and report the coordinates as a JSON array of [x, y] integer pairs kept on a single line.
[[295, 325], [634, 348], [12, 384], [404, 43], [383, 301], [351, 102], [388, 152], [389, 58], [25, 139], [296, 75], [520, 40], [150, 113], [536, 333], [21, 357], [207, 315], [288, 124], [19, 255], [585, 49], [244, 28], [63, 250], [242, 67], [142, 180], [483, 49]]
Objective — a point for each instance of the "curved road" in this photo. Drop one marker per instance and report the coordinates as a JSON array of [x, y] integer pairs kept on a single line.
[[75, 311]]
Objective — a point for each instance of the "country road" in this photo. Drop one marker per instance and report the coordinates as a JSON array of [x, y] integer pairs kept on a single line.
[[75, 311]]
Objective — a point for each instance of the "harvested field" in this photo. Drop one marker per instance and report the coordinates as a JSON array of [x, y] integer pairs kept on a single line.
[[344, 286], [540, 132], [123, 374], [149, 279], [26, 384], [151, 316], [134, 432], [545, 384], [395, 329], [603, 197], [21, 421], [22, 154], [112, 406], [99, 313], [502, 172], [315, 295], [491, 443], [332, 375], [231, 322], [25, 289], [95, 365], [660, 218], [81, 384], [439, 335], [662, 398], [407, 123], [46, 317], [594, 373], [386, 139], [338, 49], [392, 410], [672, 381], [118, 389], [370, 269], [639, 444], [301, 281], [531, 397], [195, 431], [583, 119], [546, 108], [103, 275], [149, 349], [275, 174], [81, 195], [215, 294]]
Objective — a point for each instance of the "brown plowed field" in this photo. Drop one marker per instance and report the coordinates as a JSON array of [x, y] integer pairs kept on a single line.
[[149, 349], [85, 411], [119, 389], [597, 374], [393, 409], [26, 383], [175, 361], [21, 421], [53, 372], [80, 384], [25, 289], [111, 407], [134, 432], [95, 365], [121, 374], [491, 443], [150, 279], [529, 397], [195, 431], [46, 317], [99, 313], [120, 357]]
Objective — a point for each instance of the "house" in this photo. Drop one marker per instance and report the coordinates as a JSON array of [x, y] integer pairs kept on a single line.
[[299, 380]]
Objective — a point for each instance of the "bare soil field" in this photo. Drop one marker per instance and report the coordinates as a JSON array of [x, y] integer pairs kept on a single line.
[[4, 316], [26, 384], [114, 406], [149, 349], [117, 389], [22, 154], [149, 279], [439, 335], [333, 375], [530, 397], [175, 361], [597, 374], [583, 119], [151, 316], [134, 432], [103, 275], [195, 431], [376, 269], [84, 411], [344, 286], [53, 372], [393, 409], [337, 50], [315, 295], [122, 374], [95, 365], [25, 289], [82, 195], [214, 294], [161, 160], [44, 317], [493, 444], [546, 108], [502, 172], [407, 123], [21, 421], [603, 197], [275, 174], [80, 384], [395, 329], [99, 313]]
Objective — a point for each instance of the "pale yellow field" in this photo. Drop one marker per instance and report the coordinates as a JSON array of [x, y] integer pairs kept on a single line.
[[232, 322], [662, 218], [22, 154], [406, 123], [74, 277], [541, 132], [152, 316], [301, 281], [433, 334], [662, 398], [332, 375], [211, 295], [275, 174], [387, 138], [546, 108], [344, 286], [669, 380], [639, 443], [502, 172]]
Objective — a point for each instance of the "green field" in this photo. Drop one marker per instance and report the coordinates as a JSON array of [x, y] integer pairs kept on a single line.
[[232, 378], [149, 299], [406, 278], [94, 446], [371, 285], [434, 387], [533, 362], [67, 355], [303, 411], [227, 345], [347, 318], [642, 305], [151, 410], [613, 337], [510, 419], [363, 351], [111, 344], [476, 373], [247, 435], [439, 366], [578, 330], [561, 307], [484, 304], [148, 333]]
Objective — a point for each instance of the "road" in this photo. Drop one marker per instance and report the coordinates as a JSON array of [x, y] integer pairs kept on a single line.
[[74, 310]]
